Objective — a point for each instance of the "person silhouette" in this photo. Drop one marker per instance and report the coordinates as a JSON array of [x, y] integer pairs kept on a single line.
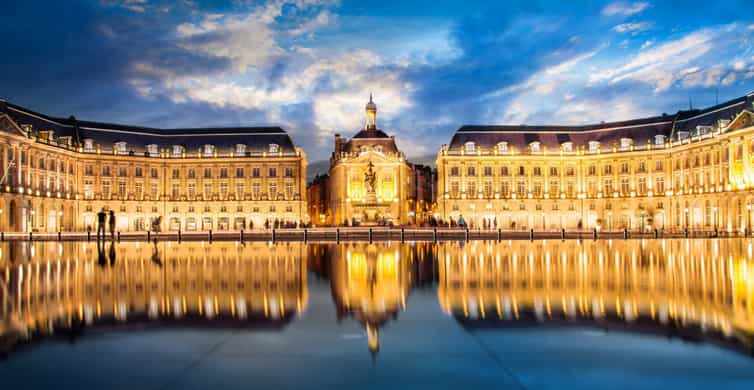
[[101, 257], [112, 253]]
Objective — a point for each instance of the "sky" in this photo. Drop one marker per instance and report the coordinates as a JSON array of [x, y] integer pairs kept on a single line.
[[433, 66]]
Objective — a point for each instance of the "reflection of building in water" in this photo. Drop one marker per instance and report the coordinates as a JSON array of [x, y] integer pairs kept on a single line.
[[705, 283], [371, 282], [68, 284]]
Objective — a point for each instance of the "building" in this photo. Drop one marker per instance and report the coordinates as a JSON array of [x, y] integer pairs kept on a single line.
[[316, 196], [422, 190], [369, 179], [692, 169], [57, 173]]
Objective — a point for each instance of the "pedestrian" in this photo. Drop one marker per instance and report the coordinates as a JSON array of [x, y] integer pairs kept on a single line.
[[101, 216], [112, 223]]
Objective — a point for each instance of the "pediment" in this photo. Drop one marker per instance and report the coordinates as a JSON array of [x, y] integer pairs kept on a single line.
[[374, 157], [743, 120], [8, 125]]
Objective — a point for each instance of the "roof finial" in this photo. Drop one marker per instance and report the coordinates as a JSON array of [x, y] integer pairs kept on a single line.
[[370, 98]]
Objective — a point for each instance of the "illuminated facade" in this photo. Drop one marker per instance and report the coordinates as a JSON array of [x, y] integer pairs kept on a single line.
[[693, 169], [704, 283], [51, 284], [369, 179], [58, 173]]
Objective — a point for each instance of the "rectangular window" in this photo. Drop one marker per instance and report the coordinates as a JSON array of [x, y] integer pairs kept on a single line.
[[607, 187], [454, 171], [239, 190], [122, 189], [175, 192], [660, 185], [153, 173], [207, 173], [255, 172], [471, 171], [487, 171], [139, 190], [224, 173], [138, 172], [288, 172], [153, 190], [289, 190], [239, 172], [454, 189], [273, 191], [273, 172], [176, 173], [504, 171], [256, 190]]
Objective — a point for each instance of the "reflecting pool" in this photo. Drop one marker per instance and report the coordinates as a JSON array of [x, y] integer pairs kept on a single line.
[[519, 314]]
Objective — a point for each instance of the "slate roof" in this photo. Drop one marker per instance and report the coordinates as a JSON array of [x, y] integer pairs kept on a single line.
[[137, 138], [371, 138], [639, 130]]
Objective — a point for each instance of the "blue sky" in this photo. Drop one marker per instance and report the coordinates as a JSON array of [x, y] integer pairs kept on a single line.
[[309, 65]]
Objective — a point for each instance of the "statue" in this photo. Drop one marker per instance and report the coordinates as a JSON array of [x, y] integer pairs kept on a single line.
[[370, 178]]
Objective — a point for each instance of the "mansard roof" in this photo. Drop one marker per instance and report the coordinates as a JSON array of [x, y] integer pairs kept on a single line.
[[137, 138], [639, 130]]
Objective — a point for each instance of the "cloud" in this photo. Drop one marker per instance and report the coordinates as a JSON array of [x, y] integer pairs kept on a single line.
[[660, 66], [624, 9], [132, 5], [632, 28]]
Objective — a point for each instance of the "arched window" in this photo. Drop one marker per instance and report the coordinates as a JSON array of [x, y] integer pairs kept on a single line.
[[177, 150], [535, 147], [594, 146], [470, 147], [502, 147], [153, 150], [274, 148], [240, 149], [209, 150]]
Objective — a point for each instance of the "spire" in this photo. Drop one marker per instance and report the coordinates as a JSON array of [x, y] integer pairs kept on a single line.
[[371, 111]]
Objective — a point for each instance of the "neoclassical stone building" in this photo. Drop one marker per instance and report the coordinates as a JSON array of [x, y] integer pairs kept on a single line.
[[57, 173], [692, 169], [369, 180]]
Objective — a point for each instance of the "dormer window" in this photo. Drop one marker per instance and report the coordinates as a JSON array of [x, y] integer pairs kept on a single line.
[[89, 145], [177, 150], [567, 147], [240, 149], [362, 149], [470, 147], [659, 139], [274, 148], [378, 149], [535, 147], [153, 150], [65, 140], [723, 123], [594, 146], [121, 147], [209, 150], [682, 135], [625, 143], [502, 147], [703, 130]]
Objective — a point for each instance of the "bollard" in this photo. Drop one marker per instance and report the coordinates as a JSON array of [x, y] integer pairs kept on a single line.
[[59, 236], [531, 234], [88, 236], [2, 236], [118, 236], [370, 235], [241, 235], [305, 235], [273, 235], [149, 235], [337, 234], [180, 235], [434, 234], [210, 235], [594, 234], [657, 233], [686, 232], [625, 233], [467, 234], [30, 238], [562, 234], [499, 234], [403, 233]]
